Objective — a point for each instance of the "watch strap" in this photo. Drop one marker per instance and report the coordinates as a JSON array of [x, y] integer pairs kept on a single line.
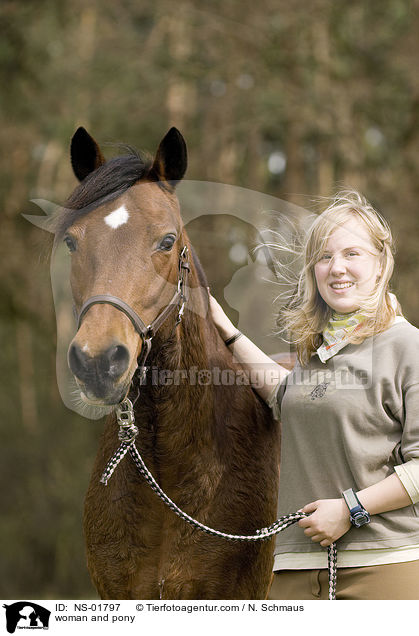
[[351, 499], [357, 513]]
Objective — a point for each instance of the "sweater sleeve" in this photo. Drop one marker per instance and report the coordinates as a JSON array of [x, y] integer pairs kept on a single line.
[[408, 472]]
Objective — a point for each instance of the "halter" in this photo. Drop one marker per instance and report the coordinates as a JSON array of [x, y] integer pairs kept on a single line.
[[146, 333]]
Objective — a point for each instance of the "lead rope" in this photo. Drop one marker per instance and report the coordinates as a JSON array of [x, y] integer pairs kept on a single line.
[[127, 434]]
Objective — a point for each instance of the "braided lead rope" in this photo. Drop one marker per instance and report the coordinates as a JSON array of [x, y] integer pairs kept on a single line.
[[127, 434]]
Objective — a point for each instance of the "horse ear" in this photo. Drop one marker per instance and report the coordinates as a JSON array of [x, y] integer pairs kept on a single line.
[[171, 158], [86, 155]]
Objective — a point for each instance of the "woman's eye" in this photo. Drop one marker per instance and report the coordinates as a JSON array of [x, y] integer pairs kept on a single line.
[[167, 243], [71, 243]]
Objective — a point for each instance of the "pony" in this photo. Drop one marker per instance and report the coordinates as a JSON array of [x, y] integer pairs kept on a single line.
[[210, 443]]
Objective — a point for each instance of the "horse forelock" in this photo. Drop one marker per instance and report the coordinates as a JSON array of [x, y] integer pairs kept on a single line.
[[105, 184]]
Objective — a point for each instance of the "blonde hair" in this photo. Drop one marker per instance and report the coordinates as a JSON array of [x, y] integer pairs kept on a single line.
[[307, 314]]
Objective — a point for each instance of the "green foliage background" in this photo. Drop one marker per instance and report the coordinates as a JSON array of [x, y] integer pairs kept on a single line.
[[331, 85]]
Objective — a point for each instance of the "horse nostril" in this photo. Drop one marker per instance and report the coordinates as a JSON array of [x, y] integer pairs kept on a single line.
[[118, 357], [77, 361]]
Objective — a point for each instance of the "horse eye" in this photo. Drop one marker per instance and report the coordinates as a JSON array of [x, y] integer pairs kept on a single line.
[[167, 243], [71, 243]]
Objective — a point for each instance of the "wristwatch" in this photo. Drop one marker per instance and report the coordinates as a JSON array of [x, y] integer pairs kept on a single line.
[[357, 513]]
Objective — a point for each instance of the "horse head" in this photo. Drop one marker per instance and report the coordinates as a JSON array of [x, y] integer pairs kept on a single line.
[[123, 228]]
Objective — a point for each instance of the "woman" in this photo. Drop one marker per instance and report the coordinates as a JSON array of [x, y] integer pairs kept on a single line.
[[349, 415]]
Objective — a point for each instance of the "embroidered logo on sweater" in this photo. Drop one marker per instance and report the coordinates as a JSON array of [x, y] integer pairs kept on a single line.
[[319, 390]]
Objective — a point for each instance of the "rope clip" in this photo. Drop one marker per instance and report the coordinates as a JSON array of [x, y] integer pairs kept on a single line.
[[125, 418]]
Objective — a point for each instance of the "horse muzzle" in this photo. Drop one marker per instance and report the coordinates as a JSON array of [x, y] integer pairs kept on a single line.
[[101, 378]]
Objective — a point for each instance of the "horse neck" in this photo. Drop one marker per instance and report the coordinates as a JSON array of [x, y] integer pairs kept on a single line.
[[191, 343], [194, 339], [179, 364]]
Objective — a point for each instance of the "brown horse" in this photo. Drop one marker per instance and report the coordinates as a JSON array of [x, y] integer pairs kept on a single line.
[[213, 448]]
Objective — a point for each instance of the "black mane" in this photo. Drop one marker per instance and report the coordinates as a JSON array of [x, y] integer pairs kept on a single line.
[[105, 184]]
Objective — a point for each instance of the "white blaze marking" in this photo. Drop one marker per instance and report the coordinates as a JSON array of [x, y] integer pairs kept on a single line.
[[117, 217]]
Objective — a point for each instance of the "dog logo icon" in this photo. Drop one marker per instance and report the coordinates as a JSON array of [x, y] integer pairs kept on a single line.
[[26, 615]]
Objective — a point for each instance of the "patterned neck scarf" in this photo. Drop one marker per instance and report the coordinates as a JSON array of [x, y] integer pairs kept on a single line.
[[341, 326], [337, 332]]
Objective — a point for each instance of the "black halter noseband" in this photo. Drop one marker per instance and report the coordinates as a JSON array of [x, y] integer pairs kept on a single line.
[[146, 332]]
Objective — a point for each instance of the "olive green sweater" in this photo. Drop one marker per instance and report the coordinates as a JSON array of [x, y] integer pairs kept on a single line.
[[348, 423]]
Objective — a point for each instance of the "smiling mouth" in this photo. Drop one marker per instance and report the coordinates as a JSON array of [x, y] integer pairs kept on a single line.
[[338, 286]]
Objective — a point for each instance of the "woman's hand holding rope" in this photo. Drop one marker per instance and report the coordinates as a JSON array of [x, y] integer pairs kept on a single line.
[[328, 520]]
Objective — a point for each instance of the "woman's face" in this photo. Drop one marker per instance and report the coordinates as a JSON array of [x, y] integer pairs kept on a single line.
[[349, 268]]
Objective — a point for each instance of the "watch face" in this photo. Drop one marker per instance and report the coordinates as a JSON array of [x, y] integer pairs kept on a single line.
[[360, 518]]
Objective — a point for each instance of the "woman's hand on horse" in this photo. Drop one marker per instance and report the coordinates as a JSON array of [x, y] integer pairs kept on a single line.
[[221, 320], [328, 520]]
